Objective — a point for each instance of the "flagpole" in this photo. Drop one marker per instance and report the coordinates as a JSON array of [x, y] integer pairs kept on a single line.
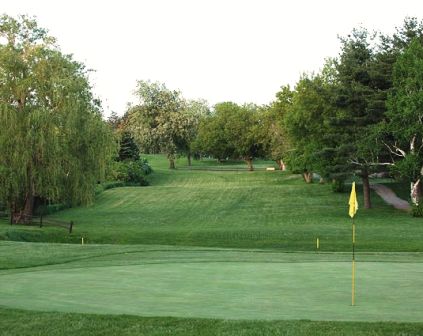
[[353, 265], [352, 211]]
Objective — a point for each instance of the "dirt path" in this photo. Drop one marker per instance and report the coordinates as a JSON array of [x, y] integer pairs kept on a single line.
[[390, 197]]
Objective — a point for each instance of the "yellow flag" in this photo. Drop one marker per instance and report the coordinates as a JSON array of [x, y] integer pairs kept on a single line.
[[353, 202]]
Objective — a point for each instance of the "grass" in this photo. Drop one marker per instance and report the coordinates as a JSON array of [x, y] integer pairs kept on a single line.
[[272, 210], [27, 323], [162, 281], [210, 252]]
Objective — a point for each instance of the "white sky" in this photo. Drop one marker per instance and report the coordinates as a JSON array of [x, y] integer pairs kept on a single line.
[[218, 50]]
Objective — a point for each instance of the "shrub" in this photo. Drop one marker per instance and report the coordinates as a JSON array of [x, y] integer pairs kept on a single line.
[[132, 172], [338, 185], [417, 210]]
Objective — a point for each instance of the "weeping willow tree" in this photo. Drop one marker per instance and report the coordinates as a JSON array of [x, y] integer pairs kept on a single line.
[[54, 144]]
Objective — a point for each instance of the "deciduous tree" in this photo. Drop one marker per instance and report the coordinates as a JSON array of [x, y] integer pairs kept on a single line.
[[54, 144]]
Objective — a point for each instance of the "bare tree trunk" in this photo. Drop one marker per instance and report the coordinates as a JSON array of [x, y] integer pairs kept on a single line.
[[189, 159], [171, 163], [416, 192], [366, 189], [280, 164], [249, 162], [308, 177]]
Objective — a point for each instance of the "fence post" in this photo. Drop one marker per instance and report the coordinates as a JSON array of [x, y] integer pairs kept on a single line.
[[70, 227]]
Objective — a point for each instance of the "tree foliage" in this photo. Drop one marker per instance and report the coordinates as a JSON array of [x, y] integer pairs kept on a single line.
[[163, 122], [405, 117], [53, 141], [232, 131]]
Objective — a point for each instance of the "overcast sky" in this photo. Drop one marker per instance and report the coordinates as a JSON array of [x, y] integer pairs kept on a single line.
[[218, 50]]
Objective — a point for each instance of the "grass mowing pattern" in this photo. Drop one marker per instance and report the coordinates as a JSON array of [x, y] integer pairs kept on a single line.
[[271, 210], [291, 215]]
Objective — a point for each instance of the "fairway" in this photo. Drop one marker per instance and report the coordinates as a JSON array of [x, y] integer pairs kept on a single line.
[[230, 209], [206, 246], [217, 283]]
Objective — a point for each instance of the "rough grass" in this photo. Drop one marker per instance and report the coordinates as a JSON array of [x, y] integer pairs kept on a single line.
[[27, 323]]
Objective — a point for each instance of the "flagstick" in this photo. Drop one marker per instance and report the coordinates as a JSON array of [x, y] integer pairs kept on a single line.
[[353, 265]]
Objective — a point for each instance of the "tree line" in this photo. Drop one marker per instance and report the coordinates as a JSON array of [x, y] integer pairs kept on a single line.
[[361, 114]]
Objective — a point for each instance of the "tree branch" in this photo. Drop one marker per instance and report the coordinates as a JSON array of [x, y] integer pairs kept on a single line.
[[396, 151]]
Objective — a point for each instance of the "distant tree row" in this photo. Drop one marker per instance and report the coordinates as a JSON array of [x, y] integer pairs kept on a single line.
[[361, 114], [164, 122]]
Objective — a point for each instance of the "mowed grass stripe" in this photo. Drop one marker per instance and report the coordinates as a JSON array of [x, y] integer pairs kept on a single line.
[[271, 210]]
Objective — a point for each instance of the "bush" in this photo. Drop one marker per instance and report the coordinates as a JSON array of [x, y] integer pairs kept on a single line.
[[417, 210], [338, 185], [132, 172]]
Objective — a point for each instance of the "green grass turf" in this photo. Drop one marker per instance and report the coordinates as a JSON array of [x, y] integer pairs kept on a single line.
[[272, 210], [210, 283], [257, 215], [27, 323]]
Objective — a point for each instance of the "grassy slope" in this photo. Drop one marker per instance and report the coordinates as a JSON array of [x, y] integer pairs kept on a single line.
[[380, 229], [231, 209]]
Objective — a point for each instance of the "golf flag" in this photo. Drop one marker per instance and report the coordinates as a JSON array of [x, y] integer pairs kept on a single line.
[[353, 202]]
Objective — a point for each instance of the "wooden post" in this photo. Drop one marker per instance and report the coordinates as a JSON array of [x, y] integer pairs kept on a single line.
[[70, 227]]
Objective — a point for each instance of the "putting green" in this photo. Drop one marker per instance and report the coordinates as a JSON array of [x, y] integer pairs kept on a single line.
[[318, 290]]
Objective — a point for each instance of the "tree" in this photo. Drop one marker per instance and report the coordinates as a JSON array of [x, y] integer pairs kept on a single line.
[[404, 128], [157, 122], [194, 111], [128, 149], [306, 126], [53, 141], [273, 132], [212, 138], [232, 131], [361, 98]]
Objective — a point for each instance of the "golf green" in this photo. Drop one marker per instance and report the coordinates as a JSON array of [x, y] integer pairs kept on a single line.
[[317, 290]]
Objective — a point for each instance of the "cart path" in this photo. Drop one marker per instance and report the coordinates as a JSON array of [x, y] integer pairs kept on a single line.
[[390, 197]]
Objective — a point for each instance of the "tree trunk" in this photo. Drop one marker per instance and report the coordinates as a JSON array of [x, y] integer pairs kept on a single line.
[[308, 177], [189, 159], [23, 215], [29, 207], [280, 164], [416, 192], [249, 162], [171, 163], [366, 189], [22, 212]]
